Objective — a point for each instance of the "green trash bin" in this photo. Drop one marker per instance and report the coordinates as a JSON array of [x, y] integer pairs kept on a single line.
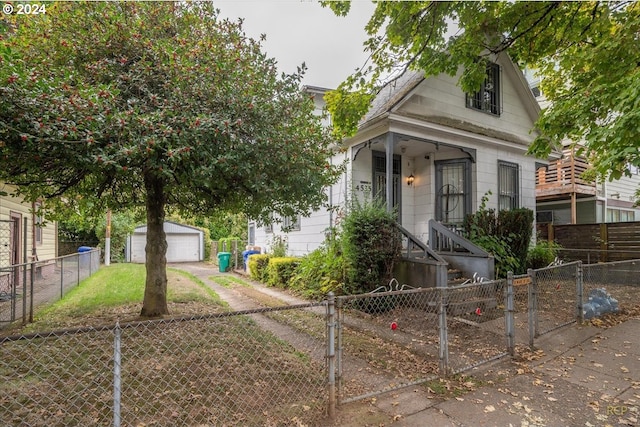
[[223, 261]]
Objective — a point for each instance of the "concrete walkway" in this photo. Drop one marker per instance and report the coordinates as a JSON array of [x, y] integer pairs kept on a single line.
[[584, 376]]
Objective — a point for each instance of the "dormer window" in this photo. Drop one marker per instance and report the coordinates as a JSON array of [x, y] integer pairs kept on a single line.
[[487, 99]]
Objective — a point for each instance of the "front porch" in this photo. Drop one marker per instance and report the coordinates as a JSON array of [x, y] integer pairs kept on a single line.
[[432, 186], [419, 178]]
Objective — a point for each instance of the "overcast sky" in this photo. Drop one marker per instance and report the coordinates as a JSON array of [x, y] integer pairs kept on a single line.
[[303, 31]]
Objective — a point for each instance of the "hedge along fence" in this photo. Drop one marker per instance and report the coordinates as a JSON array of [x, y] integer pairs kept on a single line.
[[258, 266], [273, 271], [281, 270]]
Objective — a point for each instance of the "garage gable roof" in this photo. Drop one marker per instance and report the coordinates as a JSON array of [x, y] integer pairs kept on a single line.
[[171, 228]]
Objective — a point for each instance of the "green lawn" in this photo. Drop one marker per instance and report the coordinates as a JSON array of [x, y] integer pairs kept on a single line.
[[119, 290]]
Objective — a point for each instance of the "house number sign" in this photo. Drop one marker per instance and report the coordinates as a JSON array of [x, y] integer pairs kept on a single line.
[[364, 186]]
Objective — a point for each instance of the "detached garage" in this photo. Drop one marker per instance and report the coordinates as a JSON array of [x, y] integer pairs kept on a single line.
[[184, 243]]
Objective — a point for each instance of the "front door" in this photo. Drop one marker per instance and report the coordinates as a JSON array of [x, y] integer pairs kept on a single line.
[[380, 179], [453, 191], [14, 238]]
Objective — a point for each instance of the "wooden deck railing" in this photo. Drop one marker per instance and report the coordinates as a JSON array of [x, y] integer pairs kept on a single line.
[[564, 175], [565, 171]]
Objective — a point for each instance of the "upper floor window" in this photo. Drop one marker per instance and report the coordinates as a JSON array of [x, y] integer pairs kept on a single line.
[[487, 99], [508, 186]]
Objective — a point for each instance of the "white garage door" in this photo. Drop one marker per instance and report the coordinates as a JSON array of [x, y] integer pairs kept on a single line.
[[181, 247], [138, 243]]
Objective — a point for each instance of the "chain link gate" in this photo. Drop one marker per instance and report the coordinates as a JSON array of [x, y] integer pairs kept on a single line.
[[553, 298]]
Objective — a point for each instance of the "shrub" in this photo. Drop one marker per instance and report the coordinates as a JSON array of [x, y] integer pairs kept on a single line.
[[226, 244], [279, 247], [371, 245], [542, 254], [280, 270], [484, 229], [517, 225], [258, 266], [321, 271]]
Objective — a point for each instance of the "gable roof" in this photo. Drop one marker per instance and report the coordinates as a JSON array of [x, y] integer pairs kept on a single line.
[[392, 93], [398, 90]]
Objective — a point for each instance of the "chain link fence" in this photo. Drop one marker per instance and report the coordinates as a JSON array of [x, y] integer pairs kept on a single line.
[[553, 297], [565, 293], [287, 365], [218, 370], [614, 282], [389, 340], [24, 287]]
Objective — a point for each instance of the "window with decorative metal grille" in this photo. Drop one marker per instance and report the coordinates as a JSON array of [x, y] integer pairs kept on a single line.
[[508, 186], [487, 99]]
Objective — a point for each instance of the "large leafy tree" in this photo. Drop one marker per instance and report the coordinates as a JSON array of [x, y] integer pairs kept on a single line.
[[588, 54], [164, 105]]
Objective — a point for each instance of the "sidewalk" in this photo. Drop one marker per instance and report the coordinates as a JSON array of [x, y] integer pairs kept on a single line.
[[586, 377]]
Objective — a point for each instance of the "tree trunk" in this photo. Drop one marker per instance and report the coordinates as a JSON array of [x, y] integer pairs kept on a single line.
[[155, 291]]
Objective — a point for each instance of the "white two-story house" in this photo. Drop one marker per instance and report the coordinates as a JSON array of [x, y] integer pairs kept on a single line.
[[432, 151]]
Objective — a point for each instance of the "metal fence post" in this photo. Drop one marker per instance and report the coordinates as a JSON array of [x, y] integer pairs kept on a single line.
[[331, 354], [61, 277], [15, 276], [31, 280], [579, 292], [339, 354], [442, 329], [24, 294], [117, 389], [509, 319], [24, 276], [531, 305]]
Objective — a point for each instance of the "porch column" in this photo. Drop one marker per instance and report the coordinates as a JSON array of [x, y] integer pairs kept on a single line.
[[389, 144]]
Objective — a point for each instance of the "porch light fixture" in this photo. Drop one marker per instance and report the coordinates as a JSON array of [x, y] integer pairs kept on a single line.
[[410, 180]]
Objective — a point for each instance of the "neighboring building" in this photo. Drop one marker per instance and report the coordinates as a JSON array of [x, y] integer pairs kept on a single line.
[[24, 237], [563, 196], [431, 151], [184, 243], [40, 240]]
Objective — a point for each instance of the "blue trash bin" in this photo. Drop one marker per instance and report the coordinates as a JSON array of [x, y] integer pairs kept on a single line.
[[84, 257], [245, 257]]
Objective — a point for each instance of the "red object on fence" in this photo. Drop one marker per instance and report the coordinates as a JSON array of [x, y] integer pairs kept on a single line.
[[478, 311], [394, 326]]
